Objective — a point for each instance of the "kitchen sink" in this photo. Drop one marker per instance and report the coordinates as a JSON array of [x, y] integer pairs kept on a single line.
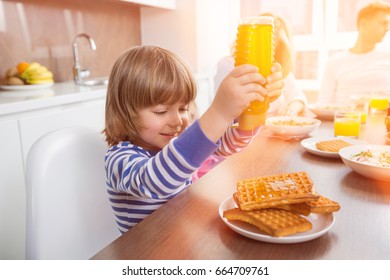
[[94, 82]]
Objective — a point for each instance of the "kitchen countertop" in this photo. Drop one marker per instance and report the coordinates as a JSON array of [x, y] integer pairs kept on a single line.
[[12, 102]]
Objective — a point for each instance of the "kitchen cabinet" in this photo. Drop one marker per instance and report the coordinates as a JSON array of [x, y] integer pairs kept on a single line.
[[22, 122], [165, 4], [12, 193]]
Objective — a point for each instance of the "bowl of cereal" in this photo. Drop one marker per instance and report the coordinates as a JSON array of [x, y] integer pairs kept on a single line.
[[292, 126], [372, 161]]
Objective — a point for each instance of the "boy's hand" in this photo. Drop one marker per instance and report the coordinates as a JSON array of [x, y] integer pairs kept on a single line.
[[242, 86]]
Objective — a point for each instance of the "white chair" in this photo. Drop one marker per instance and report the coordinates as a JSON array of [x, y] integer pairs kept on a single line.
[[68, 212]]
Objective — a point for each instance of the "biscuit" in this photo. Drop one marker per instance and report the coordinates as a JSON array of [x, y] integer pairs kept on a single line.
[[274, 222], [298, 208], [271, 191], [332, 145], [323, 205]]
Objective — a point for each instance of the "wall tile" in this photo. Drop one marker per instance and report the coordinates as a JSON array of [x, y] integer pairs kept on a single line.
[[44, 30]]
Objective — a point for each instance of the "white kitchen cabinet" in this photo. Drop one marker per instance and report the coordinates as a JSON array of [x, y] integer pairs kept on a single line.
[[23, 124], [12, 193], [165, 4]]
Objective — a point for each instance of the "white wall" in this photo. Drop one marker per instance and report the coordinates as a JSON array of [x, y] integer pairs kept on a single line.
[[171, 29]]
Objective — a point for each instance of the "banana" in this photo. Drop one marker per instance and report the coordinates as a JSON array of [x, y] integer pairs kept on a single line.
[[39, 75], [30, 69], [40, 81], [36, 73]]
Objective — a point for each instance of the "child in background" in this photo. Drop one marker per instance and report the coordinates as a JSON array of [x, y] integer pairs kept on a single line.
[[153, 152]]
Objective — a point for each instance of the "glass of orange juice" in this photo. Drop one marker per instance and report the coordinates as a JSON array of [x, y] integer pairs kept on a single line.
[[379, 101], [347, 124], [363, 110]]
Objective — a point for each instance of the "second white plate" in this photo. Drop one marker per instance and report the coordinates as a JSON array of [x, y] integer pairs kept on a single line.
[[310, 145], [322, 223]]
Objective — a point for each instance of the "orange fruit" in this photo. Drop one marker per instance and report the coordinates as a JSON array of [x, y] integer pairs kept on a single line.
[[22, 66]]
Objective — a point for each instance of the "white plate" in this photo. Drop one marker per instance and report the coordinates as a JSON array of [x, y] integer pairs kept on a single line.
[[360, 98], [326, 111], [310, 145], [308, 125], [365, 169], [25, 87], [322, 223]]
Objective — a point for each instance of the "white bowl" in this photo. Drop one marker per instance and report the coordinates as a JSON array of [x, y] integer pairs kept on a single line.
[[292, 126], [326, 111], [366, 169]]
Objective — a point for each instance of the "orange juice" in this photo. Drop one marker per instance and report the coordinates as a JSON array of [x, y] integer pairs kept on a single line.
[[255, 45], [347, 124], [363, 115], [379, 103]]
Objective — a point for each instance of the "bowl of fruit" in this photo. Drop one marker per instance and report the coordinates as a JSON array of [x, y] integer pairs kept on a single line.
[[26, 76]]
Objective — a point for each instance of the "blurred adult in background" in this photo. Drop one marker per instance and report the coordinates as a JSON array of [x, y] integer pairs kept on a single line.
[[292, 101], [366, 66]]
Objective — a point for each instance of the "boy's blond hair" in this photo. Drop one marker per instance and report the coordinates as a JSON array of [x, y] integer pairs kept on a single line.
[[372, 9], [143, 76]]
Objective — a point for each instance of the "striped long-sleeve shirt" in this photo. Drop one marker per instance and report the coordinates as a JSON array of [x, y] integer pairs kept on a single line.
[[140, 181]]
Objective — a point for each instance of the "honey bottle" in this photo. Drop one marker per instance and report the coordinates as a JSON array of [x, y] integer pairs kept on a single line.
[[255, 45]]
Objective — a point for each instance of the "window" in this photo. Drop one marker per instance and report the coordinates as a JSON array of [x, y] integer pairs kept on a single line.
[[320, 28]]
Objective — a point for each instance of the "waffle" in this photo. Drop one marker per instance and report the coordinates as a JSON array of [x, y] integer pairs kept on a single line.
[[323, 205], [332, 145], [298, 208], [274, 222], [271, 191]]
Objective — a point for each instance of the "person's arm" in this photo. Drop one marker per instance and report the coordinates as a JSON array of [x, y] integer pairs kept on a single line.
[[133, 170], [235, 140], [328, 86], [295, 98]]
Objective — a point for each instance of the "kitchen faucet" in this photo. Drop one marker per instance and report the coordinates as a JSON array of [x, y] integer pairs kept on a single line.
[[78, 72]]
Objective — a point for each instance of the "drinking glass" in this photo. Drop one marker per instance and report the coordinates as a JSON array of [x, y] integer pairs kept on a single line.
[[347, 124], [379, 101]]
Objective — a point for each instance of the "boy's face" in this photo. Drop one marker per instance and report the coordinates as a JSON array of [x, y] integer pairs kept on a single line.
[[377, 27], [161, 123]]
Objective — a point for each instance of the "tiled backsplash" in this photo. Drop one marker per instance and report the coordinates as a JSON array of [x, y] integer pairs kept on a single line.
[[44, 30]]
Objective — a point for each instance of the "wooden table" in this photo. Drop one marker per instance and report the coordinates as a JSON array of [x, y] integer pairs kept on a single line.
[[189, 227]]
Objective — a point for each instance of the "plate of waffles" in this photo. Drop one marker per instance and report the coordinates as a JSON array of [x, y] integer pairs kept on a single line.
[[328, 146], [321, 224]]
